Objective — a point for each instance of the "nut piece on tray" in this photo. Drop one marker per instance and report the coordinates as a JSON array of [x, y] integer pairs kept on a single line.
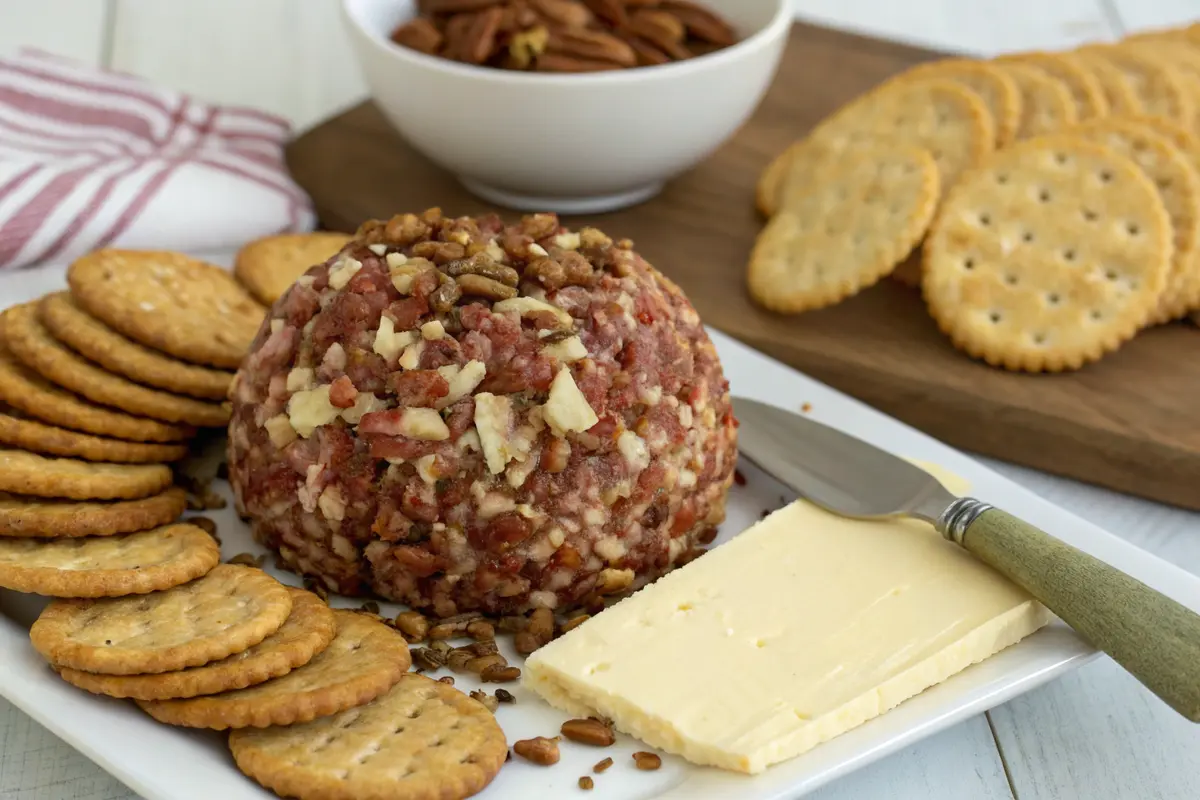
[[565, 35], [462, 415]]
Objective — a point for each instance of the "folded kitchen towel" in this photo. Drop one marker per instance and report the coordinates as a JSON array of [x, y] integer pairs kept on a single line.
[[90, 158]]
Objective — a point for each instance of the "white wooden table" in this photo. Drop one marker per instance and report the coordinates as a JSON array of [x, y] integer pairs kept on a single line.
[[1095, 734]]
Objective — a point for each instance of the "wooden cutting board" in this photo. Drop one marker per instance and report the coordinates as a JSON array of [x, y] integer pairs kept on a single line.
[[1130, 422]]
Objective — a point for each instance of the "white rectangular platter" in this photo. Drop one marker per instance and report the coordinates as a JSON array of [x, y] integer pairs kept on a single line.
[[162, 763]]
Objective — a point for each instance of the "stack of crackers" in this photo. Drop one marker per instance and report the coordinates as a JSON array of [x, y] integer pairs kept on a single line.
[[1047, 204], [319, 701], [100, 389]]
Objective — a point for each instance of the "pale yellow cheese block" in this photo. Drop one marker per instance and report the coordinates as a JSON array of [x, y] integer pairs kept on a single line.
[[801, 628]]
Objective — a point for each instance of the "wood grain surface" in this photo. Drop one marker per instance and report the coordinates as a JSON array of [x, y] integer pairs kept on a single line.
[[1130, 422]]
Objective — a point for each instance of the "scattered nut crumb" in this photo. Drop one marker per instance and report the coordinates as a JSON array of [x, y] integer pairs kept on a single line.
[[205, 524], [413, 625], [428, 659], [479, 664], [447, 679], [646, 761], [539, 632], [586, 783], [505, 696], [489, 701], [602, 765], [481, 629], [457, 660], [500, 673], [202, 497], [451, 627], [573, 623], [539, 750], [513, 624], [807, 407], [485, 647]]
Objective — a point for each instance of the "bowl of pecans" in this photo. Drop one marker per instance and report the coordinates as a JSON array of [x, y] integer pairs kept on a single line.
[[573, 106]]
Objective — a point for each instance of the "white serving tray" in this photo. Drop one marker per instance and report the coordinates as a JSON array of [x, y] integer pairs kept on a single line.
[[162, 763]]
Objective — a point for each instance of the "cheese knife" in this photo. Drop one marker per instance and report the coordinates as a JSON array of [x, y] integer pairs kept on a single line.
[[1153, 637]]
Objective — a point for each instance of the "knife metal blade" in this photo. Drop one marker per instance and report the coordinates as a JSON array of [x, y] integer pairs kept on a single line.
[[835, 470]]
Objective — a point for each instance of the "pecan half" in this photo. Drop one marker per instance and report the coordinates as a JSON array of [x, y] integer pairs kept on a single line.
[[489, 701], [591, 46], [661, 29], [588, 731], [419, 34], [701, 23], [480, 286], [500, 673], [548, 272], [611, 11], [482, 264], [413, 625], [480, 41], [647, 54], [567, 13], [553, 62], [445, 296], [440, 253], [456, 31], [517, 17]]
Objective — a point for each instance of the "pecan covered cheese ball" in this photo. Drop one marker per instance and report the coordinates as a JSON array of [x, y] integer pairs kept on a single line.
[[461, 416]]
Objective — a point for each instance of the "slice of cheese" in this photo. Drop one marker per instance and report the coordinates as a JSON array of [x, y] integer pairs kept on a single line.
[[804, 626]]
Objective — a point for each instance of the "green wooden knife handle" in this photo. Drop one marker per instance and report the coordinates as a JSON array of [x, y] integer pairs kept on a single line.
[[1155, 638]]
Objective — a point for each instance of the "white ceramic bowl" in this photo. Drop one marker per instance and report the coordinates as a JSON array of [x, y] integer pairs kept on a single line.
[[574, 143]]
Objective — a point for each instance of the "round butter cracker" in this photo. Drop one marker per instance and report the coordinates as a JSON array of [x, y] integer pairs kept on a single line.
[[97, 342], [844, 227], [17, 430], [423, 740], [24, 389], [43, 476], [1178, 184], [192, 310], [1085, 89], [938, 115], [107, 566], [42, 518], [1000, 95], [307, 631], [364, 660], [228, 610], [1048, 256], [30, 342], [1046, 103]]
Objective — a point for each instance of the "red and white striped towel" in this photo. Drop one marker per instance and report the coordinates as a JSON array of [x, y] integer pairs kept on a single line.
[[91, 158]]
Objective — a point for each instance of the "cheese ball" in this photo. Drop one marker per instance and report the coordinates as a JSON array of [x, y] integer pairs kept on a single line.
[[465, 416]]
